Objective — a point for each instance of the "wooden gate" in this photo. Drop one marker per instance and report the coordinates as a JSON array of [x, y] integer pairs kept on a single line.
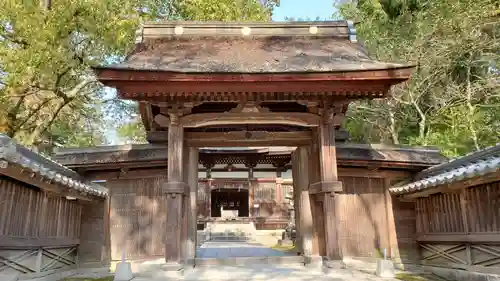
[[137, 218]]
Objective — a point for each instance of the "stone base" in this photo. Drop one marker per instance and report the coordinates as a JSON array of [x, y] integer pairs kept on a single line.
[[172, 269], [313, 261], [189, 263], [385, 269], [172, 266], [335, 264], [123, 271]]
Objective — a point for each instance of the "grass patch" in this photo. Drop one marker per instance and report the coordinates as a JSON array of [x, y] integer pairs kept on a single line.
[[107, 278], [284, 248], [410, 277]]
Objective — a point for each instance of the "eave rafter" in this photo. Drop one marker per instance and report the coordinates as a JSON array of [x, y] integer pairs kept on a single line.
[[185, 87]]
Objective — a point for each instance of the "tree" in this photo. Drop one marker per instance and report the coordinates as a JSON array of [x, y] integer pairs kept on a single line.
[[453, 98], [132, 131], [46, 50]]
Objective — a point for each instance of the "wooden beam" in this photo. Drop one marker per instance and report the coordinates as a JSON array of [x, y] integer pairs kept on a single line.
[[25, 243], [157, 136], [242, 138], [108, 75], [273, 118], [366, 173], [491, 237]]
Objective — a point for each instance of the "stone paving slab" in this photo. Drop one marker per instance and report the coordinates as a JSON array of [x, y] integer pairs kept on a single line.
[[268, 273], [222, 250]]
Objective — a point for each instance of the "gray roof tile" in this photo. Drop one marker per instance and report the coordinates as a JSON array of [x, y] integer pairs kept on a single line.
[[13, 153], [470, 166]]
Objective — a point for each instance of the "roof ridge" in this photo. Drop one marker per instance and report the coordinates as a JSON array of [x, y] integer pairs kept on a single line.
[[343, 28]]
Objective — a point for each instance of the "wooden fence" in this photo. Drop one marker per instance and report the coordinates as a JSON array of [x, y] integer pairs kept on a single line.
[[461, 230], [38, 232]]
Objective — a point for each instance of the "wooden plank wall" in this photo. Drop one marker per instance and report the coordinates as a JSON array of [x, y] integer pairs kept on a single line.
[[461, 230], [362, 218], [31, 214], [137, 218], [39, 233]]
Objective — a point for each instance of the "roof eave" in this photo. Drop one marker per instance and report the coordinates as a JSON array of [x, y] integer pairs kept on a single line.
[[16, 161]]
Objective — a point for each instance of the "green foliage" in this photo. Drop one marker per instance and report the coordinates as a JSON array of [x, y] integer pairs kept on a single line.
[[453, 98], [48, 92], [204, 10], [223, 10], [132, 132]]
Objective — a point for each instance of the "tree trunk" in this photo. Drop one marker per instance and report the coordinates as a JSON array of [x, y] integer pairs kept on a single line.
[[46, 4]]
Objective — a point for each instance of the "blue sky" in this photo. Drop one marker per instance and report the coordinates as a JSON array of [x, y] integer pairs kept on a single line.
[[304, 9]]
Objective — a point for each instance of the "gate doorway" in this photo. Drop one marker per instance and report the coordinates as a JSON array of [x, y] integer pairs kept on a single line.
[[232, 200]]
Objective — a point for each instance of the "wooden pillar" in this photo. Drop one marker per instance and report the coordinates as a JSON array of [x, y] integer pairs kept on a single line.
[[301, 188], [208, 190], [327, 185], [251, 164], [279, 196], [296, 201], [174, 190], [192, 208]]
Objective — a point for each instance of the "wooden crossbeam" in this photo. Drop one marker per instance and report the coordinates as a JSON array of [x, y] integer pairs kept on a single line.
[[14, 262], [446, 253], [58, 257], [495, 259]]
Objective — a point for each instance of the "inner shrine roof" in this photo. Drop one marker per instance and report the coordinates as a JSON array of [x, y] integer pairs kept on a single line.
[[277, 47], [347, 154]]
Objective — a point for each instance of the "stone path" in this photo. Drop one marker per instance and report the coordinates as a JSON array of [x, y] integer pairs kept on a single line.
[[267, 273], [223, 250], [252, 271]]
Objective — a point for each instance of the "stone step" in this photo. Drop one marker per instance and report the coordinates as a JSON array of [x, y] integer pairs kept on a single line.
[[248, 261], [229, 231]]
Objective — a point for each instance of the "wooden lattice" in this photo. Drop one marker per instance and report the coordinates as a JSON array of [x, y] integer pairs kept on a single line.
[[36, 260], [461, 255]]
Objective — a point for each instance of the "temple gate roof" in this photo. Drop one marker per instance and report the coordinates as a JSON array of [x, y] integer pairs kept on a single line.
[[188, 47]]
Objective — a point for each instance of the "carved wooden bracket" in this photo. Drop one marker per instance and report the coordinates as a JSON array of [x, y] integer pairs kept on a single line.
[[280, 163], [334, 114], [162, 120], [249, 107]]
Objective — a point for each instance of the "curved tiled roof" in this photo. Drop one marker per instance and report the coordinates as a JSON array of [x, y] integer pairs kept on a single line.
[[275, 47], [13, 153], [473, 165]]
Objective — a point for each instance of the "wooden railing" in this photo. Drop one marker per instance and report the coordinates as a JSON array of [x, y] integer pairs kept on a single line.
[[461, 230], [32, 257]]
